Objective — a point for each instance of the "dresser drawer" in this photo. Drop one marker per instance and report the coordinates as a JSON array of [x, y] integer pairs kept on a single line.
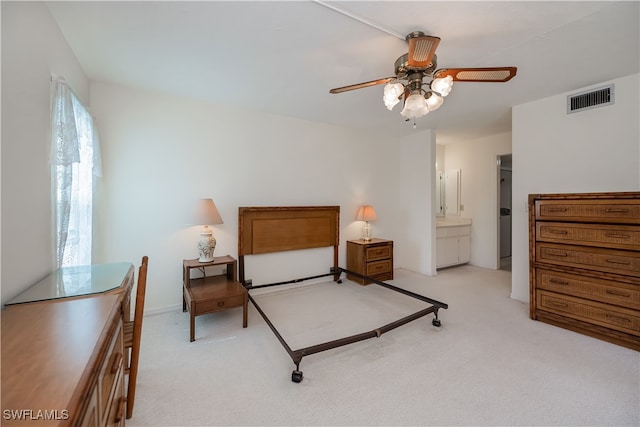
[[590, 311], [599, 210], [607, 260], [117, 410], [609, 236], [111, 370], [374, 253], [607, 291]]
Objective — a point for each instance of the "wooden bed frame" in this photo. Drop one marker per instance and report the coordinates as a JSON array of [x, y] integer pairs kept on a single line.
[[286, 228]]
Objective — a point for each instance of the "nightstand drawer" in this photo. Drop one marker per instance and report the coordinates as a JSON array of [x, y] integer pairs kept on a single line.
[[378, 252], [209, 306], [379, 267]]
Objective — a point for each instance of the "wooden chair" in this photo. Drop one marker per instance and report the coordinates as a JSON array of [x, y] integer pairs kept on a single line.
[[132, 332]]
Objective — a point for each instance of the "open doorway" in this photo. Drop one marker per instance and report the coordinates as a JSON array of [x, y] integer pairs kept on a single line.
[[505, 171]]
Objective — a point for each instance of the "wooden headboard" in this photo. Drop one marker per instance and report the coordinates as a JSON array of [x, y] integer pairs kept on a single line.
[[267, 229]]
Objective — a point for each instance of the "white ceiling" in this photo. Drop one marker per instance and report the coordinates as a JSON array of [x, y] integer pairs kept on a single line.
[[283, 57]]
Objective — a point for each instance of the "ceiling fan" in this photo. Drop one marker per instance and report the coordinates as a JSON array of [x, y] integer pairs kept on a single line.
[[420, 62]]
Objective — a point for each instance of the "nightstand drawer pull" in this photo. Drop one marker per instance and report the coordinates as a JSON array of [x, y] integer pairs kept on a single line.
[[558, 281], [618, 318], [617, 261], [220, 303], [557, 209], [611, 210], [618, 293]]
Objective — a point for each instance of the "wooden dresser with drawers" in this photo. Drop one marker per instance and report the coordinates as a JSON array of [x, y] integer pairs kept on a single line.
[[585, 263]]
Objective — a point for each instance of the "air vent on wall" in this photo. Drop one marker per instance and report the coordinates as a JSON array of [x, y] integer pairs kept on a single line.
[[591, 99]]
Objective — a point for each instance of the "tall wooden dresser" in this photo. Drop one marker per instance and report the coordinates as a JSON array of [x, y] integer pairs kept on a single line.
[[585, 263]]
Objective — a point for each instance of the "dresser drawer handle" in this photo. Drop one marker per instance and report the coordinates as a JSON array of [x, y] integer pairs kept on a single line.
[[612, 317], [617, 236], [220, 303], [617, 261], [621, 210], [120, 411], [558, 281], [563, 254], [618, 293], [558, 304], [552, 231], [116, 363], [557, 209]]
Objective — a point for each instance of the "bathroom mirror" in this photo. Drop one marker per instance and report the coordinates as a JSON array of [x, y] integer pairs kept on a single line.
[[452, 192], [439, 208]]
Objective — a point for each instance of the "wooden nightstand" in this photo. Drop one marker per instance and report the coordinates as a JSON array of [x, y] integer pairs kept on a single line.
[[373, 258], [209, 294]]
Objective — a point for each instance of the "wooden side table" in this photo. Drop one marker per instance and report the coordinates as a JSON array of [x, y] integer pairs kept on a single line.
[[209, 294], [372, 258]]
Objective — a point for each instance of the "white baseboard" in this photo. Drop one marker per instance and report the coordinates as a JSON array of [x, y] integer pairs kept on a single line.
[[161, 310]]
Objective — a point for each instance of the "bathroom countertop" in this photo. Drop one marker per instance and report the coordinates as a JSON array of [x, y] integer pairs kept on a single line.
[[452, 221]]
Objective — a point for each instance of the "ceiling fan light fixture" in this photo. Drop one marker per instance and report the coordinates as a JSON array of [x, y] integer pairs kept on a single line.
[[442, 85], [415, 106], [392, 93], [434, 101]]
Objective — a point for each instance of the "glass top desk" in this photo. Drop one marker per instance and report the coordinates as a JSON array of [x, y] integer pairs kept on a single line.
[[81, 281]]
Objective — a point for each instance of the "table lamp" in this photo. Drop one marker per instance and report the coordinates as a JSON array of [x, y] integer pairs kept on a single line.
[[206, 214], [366, 213]]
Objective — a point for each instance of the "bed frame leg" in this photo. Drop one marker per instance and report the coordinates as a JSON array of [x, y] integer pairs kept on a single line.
[[436, 322], [336, 274], [296, 375]]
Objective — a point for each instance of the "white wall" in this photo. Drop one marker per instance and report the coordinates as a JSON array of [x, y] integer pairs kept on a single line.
[[161, 153], [476, 160], [555, 152], [415, 221], [32, 50]]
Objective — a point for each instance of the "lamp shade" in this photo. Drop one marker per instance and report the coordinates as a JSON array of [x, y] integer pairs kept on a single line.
[[366, 213], [206, 213]]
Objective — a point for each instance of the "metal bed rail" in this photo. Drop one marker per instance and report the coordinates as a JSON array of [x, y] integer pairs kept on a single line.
[[297, 355]]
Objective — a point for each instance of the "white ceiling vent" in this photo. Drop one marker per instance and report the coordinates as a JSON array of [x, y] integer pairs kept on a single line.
[[591, 99]]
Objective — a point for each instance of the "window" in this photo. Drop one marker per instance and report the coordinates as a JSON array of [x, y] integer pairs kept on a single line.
[[75, 163]]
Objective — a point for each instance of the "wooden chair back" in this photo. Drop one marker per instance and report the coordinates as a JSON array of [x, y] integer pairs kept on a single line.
[[133, 340]]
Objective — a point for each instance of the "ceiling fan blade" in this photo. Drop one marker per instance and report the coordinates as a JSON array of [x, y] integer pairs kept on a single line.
[[421, 50], [362, 85], [489, 74]]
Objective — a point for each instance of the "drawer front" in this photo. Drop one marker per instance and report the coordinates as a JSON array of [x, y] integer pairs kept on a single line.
[[209, 306], [379, 267], [622, 294], [112, 368], [589, 311], [609, 236], [118, 408], [374, 253], [452, 231], [607, 260], [605, 210]]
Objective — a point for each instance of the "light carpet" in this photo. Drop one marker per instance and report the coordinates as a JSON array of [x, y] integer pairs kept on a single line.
[[488, 364]]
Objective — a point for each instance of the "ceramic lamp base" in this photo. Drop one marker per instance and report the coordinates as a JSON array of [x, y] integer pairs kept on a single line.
[[206, 246]]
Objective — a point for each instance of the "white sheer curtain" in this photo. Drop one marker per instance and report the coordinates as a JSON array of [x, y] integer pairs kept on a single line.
[[75, 160]]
